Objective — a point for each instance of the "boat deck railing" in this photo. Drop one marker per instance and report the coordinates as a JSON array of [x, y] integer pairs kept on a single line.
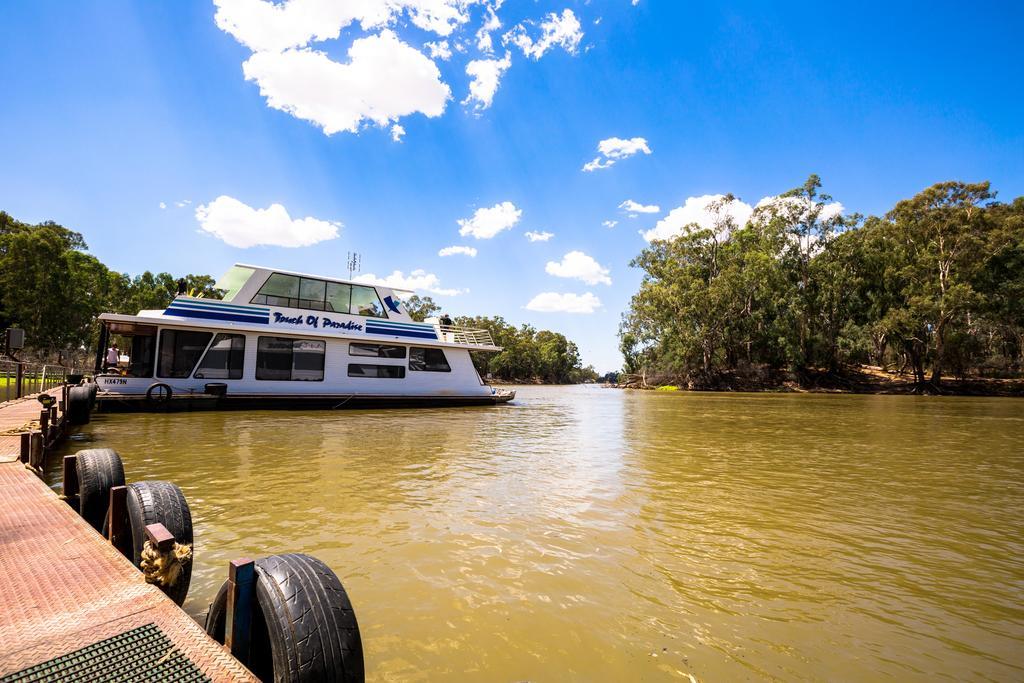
[[465, 335]]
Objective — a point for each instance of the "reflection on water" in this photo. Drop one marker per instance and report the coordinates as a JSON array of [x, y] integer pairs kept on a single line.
[[595, 534]]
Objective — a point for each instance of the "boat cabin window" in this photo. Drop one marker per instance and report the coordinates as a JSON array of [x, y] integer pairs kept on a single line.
[[376, 350], [366, 302], [142, 356], [224, 358], [284, 358], [381, 371], [293, 291], [179, 351], [428, 360], [339, 296]]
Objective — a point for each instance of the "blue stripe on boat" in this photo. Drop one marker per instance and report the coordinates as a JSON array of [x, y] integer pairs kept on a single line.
[[215, 315], [403, 326], [399, 333], [218, 306]]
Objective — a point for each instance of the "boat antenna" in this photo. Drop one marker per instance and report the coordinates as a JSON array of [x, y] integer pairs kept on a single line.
[[354, 261]]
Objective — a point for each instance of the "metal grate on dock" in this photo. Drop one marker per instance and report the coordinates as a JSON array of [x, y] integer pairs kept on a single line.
[[140, 655]]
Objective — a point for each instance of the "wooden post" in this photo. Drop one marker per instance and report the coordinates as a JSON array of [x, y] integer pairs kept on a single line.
[[117, 519], [53, 414], [44, 422], [35, 450], [19, 380], [160, 537], [26, 447], [238, 620], [71, 480]]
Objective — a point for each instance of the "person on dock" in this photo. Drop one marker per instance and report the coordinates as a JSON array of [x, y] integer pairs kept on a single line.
[[113, 357], [446, 320]]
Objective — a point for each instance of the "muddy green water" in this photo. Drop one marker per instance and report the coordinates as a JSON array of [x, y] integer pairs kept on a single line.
[[600, 535]]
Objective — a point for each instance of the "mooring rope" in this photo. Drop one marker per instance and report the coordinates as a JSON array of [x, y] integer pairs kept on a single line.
[[164, 568]]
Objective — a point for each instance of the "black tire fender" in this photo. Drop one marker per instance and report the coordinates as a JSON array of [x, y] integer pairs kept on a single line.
[[152, 502], [304, 615], [163, 397], [79, 405], [99, 470]]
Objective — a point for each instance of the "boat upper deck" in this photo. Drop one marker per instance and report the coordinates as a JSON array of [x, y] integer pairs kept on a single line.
[[261, 299]]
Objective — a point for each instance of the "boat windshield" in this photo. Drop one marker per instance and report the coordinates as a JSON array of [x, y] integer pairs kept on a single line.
[[233, 281]]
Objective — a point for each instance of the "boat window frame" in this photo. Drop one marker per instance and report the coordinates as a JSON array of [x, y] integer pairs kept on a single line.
[[425, 368], [209, 348], [291, 378], [379, 353], [398, 369], [296, 302], [160, 349]]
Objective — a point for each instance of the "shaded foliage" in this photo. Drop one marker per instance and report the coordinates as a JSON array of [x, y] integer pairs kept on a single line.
[[53, 289], [934, 287]]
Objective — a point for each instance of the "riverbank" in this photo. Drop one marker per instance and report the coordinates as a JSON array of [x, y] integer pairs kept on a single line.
[[864, 379]]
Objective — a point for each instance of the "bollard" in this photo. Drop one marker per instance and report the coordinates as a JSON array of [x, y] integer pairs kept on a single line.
[[35, 451], [238, 619], [71, 480], [117, 517], [160, 537]]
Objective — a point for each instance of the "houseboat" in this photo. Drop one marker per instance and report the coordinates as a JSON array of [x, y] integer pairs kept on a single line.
[[282, 339]]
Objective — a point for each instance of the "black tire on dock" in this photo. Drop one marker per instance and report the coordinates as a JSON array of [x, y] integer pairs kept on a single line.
[[99, 470], [152, 502], [79, 405], [93, 388], [305, 628]]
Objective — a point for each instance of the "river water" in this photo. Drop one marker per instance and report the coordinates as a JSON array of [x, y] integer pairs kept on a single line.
[[595, 534]]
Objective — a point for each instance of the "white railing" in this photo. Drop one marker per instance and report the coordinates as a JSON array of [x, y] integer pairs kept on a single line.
[[465, 335]]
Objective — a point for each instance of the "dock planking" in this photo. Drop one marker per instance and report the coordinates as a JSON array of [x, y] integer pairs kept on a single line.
[[64, 588]]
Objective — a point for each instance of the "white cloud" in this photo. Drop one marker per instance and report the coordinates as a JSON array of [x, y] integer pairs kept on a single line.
[[484, 43], [183, 203], [163, 205], [486, 75], [265, 26], [610, 224], [553, 302], [451, 251], [597, 164], [242, 226], [708, 212], [539, 236], [383, 80], [631, 207], [397, 132], [612, 150], [439, 50], [417, 280], [579, 266], [617, 148], [556, 30], [486, 223]]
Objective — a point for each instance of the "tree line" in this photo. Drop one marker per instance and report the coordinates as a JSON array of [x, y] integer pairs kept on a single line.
[[54, 290], [51, 287], [934, 288]]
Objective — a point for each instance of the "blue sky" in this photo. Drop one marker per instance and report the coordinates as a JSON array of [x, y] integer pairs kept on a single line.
[[112, 109]]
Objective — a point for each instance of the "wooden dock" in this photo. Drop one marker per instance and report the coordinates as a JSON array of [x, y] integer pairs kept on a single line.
[[71, 606]]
